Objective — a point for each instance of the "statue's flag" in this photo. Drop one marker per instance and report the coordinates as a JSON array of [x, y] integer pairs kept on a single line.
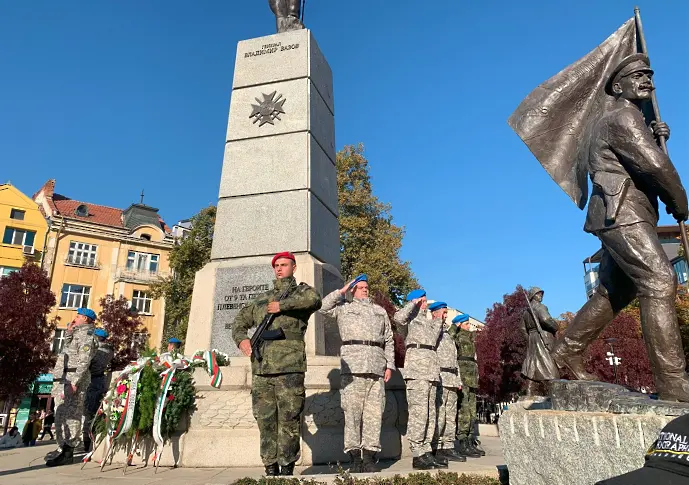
[[554, 120]]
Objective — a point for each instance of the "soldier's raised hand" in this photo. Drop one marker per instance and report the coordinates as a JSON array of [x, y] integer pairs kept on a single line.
[[660, 128], [346, 287]]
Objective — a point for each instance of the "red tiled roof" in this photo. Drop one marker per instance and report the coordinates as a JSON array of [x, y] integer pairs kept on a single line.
[[98, 214]]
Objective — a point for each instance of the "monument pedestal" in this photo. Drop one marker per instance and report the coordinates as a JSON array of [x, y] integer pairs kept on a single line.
[[589, 432], [223, 432]]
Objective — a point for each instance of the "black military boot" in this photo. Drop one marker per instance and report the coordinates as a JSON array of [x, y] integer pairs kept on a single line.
[[356, 464], [287, 470], [53, 454], [453, 455], [475, 444], [273, 470], [64, 458], [422, 462], [464, 448], [439, 461], [369, 462]]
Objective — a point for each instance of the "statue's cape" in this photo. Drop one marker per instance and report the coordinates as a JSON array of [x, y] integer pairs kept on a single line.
[[556, 118]]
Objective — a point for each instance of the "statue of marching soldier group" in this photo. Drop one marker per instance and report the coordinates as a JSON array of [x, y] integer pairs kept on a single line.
[[440, 371]]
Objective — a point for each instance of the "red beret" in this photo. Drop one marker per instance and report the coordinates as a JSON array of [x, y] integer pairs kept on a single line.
[[284, 255]]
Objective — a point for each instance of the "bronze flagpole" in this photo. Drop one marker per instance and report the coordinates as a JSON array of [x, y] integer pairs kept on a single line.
[[656, 112]]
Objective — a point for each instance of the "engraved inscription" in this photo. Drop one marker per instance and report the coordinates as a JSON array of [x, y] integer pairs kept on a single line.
[[239, 297], [271, 48]]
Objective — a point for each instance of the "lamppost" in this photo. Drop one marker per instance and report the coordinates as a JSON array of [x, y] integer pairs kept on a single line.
[[612, 359]]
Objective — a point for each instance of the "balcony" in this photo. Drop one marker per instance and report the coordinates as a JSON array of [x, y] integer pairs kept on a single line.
[[82, 261], [132, 275]]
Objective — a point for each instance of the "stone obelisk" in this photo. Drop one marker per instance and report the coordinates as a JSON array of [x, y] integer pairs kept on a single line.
[[278, 190]]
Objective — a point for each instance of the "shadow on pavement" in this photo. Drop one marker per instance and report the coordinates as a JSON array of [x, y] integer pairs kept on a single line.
[[22, 470]]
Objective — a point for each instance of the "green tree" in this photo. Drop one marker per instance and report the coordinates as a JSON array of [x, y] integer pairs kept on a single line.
[[186, 258], [369, 241]]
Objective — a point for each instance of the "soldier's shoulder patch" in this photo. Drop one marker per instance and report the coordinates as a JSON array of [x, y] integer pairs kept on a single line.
[[86, 347]]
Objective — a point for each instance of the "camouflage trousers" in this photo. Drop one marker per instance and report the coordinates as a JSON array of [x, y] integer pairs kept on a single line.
[[363, 403], [467, 413], [278, 401], [68, 412], [421, 396], [445, 430]]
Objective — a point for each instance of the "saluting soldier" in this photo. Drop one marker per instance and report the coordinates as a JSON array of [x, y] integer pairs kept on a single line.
[[71, 378], [421, 374], [367, 361], [448, 395], [277, 386], [98, 386], [468, 369]]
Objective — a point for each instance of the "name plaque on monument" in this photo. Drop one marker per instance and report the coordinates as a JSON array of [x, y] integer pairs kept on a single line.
[[235, 288]]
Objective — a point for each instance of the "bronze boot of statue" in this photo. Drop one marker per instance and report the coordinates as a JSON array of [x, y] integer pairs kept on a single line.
[[287, 14], [664, 345]]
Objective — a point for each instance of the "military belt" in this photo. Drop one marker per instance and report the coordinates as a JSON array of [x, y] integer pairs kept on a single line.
[[467, 359], [449, 370], [370, 343], [421, 346]]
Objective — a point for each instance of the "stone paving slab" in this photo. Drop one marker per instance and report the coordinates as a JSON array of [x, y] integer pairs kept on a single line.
[[25, 466]]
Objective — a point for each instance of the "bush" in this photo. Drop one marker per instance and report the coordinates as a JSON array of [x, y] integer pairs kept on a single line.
[[440, 478]]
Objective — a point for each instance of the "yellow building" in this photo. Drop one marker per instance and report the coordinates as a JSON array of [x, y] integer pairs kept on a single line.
[[23, 229], [94, 250]]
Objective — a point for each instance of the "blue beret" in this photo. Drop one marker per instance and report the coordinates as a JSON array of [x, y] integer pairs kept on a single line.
[[438, 305], [174, 340], [413, 295], [100, 332], [88, 313], [461, 318], [361, 277]]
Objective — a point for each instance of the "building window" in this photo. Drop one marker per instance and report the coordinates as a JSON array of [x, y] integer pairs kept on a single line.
[[82, 254], [681, 269], [142, 261], [141, 301], [17, 214], [58, 340], [18, 237], [146, 237], [75, 296], [5, 270]]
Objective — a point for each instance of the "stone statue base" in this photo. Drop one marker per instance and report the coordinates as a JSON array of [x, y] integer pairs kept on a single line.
[[223, 433], [588, 431]]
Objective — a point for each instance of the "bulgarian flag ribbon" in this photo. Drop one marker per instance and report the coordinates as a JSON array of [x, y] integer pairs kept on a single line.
[[210, 360]]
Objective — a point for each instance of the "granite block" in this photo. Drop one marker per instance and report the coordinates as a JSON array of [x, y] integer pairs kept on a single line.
[[281, 57], [584, 395], [297, 162]]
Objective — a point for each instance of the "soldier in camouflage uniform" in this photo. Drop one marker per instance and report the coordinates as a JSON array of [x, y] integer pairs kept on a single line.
[[468, 369], [448, 394], [98, 386], [277, 388], [367, 362], [421, 374], [71, 378]]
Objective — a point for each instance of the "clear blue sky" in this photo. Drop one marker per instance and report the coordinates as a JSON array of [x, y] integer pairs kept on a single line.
[[110, 97]]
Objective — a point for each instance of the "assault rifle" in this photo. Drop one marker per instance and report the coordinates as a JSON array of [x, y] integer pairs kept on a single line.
[[262, 334]]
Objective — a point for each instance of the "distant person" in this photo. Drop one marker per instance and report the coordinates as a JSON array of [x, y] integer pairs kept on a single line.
[[98, 386], [173, 345], [666, 460], [11, 440], [31, 430], [48, 420]]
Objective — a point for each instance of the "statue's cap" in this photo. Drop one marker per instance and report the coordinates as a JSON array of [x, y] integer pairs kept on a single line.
[[628, 65]]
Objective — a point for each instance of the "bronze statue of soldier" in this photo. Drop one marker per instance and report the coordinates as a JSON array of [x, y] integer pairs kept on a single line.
[[539, 329], [630, 173], [287, 14]]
